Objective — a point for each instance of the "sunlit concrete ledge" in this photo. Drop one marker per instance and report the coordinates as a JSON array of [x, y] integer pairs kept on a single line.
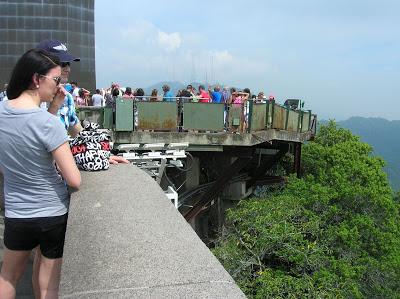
[[126, 240]]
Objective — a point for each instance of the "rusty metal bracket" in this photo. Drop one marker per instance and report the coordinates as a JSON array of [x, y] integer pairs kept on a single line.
[[218, 186]]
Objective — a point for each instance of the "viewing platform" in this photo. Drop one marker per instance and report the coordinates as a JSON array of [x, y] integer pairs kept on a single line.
[[205, 126], [232, 147]]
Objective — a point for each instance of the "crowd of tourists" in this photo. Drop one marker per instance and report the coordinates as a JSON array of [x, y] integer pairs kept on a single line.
[[107, 96], [213, 94]]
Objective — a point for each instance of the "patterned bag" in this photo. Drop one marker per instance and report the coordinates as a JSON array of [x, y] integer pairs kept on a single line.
[[91, 148]]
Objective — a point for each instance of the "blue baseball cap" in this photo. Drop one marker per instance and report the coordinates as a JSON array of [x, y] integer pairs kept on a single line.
[[57, 48]]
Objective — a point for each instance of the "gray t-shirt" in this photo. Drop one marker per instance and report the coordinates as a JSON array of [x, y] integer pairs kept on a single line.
[[97, 100], [32, 186]]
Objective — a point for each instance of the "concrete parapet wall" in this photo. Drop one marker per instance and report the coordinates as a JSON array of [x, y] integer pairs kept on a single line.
[[126, 240]]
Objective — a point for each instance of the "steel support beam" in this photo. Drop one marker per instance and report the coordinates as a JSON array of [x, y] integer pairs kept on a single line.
[[262, 169], [218, 186]]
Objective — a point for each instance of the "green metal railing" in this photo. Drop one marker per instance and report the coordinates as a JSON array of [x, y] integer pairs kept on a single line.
[[156, 116], [183, 115], [203, 116]]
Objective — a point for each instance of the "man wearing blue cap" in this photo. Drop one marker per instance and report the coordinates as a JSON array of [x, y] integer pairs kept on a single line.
[[65, 110]]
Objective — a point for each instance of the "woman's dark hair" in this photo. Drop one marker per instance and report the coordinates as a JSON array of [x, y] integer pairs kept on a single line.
[[139, 92], [34, 61], [128, 91], [153, 96], [115, 92], [81, 93]]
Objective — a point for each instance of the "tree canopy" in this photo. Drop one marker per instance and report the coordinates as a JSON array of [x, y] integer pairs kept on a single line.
[[334, 233]]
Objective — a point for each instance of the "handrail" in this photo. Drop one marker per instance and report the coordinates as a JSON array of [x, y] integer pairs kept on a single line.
[[241, 118]]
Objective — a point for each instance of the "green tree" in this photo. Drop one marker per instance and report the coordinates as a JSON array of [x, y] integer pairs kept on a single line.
[[332, 234]]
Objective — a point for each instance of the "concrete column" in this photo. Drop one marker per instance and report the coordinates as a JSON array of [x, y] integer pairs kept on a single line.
[[193, 175]]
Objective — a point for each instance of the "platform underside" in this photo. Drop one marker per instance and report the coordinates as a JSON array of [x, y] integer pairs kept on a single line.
[[210, 141]]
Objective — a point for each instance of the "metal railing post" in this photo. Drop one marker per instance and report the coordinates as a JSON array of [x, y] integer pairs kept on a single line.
[[250, 115]]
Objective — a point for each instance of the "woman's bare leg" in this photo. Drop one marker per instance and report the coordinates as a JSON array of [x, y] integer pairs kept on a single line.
[[49, 277], [14, 263], [35, 272]]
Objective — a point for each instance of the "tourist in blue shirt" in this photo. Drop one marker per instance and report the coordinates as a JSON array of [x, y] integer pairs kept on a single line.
[[65, 108], [168, 95], [216, 95]]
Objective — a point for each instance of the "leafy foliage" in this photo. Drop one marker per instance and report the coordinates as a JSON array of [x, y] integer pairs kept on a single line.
[[383, 135], [332, 234]]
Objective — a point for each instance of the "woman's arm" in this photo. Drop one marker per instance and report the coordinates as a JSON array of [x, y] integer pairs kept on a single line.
[[66, 163]]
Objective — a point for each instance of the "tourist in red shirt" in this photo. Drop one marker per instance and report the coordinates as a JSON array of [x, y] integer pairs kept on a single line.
[[204, 95]]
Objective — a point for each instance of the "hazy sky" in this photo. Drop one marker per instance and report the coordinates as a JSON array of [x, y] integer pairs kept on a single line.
[[341, 57]]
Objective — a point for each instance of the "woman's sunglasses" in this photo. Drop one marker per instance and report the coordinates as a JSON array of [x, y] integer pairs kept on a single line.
[[56, 79], [64, 64]]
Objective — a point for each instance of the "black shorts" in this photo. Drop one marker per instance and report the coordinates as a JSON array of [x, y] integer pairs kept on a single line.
[[28, 233]]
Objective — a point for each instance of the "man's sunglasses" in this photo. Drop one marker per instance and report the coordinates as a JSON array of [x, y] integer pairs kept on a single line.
[[64, 64], [56, 79]]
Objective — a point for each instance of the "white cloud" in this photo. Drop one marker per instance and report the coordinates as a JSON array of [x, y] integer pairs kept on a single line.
[[142, 54], [138, 30], [169, 42], [222, 57]]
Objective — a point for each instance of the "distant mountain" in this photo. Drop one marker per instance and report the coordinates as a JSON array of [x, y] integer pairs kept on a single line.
[[174, 86], [384, 136]]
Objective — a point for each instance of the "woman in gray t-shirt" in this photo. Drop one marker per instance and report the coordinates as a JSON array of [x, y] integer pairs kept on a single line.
[[36, 196]]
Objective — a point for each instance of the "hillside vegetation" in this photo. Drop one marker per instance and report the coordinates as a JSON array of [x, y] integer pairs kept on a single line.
[[332, 234], [384, 137]]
